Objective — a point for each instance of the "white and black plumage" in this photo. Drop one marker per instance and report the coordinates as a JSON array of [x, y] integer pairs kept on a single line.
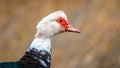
[[38, 54]]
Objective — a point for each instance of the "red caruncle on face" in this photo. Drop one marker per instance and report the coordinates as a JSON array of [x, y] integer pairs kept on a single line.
[[63, 22]]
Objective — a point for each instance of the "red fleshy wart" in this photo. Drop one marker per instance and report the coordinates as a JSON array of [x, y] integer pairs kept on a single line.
[[63, 22]]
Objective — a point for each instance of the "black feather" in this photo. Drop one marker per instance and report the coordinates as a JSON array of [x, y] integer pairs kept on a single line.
[[31, 59]]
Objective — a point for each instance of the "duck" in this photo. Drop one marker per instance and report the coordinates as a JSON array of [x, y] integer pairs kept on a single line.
[[38, 55]]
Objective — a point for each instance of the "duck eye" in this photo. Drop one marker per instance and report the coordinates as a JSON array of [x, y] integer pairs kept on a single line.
[[60, 20]]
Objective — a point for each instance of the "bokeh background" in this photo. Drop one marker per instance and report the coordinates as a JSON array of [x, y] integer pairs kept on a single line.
[[97, 46]]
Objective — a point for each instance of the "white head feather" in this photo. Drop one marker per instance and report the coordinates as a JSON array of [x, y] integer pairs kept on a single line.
[[48, 25]]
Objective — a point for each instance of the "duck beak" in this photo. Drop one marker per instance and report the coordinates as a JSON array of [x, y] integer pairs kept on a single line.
[[71, 29]]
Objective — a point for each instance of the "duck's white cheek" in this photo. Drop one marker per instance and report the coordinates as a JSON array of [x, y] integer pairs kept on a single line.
[[57, 29]]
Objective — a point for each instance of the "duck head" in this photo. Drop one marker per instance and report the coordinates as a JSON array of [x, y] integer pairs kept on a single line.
[[53, 24]]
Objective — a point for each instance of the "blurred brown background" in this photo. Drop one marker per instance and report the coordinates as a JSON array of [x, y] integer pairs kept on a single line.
[[97, 46]]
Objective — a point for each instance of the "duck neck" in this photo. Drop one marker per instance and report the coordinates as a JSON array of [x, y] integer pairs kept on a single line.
[[41, 44], [39, 53]]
